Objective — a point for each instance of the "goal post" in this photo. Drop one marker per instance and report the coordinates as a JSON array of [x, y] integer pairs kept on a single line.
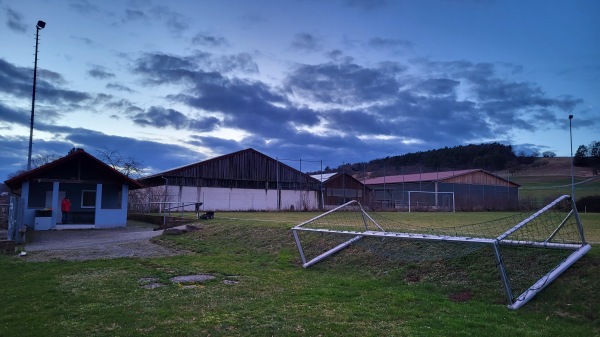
[[431, 201], [530, 250]]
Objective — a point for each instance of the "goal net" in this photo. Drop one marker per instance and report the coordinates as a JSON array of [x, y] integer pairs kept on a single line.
[[530, 250], [430, 201]]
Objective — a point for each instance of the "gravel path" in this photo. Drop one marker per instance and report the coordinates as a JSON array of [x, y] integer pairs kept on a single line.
[[90, 244]]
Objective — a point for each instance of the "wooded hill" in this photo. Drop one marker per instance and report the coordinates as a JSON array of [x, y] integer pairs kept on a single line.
[[492, 157]]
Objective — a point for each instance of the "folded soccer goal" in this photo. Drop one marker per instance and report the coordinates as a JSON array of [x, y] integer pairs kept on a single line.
[[530, 250]]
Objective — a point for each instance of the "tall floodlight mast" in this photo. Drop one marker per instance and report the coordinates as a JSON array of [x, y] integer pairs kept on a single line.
[[40, 25]]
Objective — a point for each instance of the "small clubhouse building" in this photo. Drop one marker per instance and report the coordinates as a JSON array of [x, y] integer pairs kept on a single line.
[[98, 193]]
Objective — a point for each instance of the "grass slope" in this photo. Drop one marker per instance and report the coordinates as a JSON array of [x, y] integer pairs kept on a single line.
[[350, 294]]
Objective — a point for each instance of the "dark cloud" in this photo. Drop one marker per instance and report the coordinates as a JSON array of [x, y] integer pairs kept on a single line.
[[161, 118], [349, 110], [345, 83], [306, 42], [11, 115], [160, 68], [100, 73], [210, 41], [134, 15], [17, 81], [215, 144], [175, 22], [437, 86], [15, 21], [392, 44], [119, 87]]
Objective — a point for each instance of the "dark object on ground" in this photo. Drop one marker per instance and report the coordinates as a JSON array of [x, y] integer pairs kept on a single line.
[[207, 215]]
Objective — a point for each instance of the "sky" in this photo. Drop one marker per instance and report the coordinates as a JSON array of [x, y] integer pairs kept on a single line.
[[316, 83]]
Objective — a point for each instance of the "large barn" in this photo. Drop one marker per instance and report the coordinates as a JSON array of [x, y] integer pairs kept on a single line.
[[467, 190], [339, 188], [241, 181]]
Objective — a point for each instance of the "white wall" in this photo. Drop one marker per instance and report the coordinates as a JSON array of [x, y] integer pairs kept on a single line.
[[231, 199], [111, 218]]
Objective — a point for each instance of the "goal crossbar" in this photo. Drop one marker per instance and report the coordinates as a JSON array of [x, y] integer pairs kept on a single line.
[[579, 248]]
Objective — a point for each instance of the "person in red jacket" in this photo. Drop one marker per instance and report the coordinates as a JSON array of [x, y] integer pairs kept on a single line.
[[65, 207]]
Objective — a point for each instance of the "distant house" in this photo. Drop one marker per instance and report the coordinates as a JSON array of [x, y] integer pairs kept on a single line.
[[339, 188], [240, 181], [474, 189], [98, 193]]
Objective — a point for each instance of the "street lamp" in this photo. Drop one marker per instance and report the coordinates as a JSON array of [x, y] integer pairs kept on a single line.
[[572, 176], [40, 25]]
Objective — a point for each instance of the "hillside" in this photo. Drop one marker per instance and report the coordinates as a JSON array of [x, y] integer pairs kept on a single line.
[[555, 167]]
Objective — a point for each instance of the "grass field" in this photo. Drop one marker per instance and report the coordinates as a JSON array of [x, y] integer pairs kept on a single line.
[[268, 293], [546, 188]]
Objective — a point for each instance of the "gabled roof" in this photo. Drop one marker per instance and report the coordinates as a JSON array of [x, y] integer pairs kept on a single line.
[[324, 176], [192, 169], [427, 177], [78, 156]]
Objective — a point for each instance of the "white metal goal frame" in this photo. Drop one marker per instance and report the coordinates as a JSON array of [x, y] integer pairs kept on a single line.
[[515, 302], [435, 194]]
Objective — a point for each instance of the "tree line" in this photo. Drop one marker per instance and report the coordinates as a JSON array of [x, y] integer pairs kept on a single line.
[[489, 156], [588, 156]]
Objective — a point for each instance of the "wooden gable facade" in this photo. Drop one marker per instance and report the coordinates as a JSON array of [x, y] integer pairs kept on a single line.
[[243, 180]]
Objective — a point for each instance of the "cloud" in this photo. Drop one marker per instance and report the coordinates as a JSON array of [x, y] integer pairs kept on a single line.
[[392, 44], [16, 81], [15, 21], [175, 22], [100, 72], [210, 41], [119, 87], [161, 118], [306, 42], [134, 15], [437, 86], [344, 83]]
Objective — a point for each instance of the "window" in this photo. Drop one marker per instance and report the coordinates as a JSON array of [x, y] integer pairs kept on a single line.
[[88, 199]]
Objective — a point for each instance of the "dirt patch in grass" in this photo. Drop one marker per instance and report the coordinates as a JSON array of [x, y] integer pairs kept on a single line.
[[132, 249], [461, 297]]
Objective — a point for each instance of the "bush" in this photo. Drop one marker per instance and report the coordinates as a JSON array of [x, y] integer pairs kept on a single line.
[[590, 204]]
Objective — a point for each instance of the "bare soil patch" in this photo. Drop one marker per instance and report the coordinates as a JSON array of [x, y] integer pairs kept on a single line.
[[91, 244]]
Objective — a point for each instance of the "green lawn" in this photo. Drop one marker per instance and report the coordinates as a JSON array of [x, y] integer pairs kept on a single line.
[[546, 188], [270, 294]]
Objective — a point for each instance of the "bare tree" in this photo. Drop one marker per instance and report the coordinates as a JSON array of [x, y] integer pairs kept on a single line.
[[37, 161], [129, 166]]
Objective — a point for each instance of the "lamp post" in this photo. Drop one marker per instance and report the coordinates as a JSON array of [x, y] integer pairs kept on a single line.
[[572, 175], [40, 25]]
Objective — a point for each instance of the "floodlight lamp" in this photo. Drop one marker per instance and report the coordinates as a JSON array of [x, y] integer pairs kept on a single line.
[[40, 25], [570, 116]]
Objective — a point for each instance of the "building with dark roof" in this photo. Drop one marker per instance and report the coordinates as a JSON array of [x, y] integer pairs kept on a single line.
[[339, 188], [239, 181], [98, 193], [474, 189]]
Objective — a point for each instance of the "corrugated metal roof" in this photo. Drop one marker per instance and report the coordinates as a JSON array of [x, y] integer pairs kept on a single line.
[[424, 177]]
